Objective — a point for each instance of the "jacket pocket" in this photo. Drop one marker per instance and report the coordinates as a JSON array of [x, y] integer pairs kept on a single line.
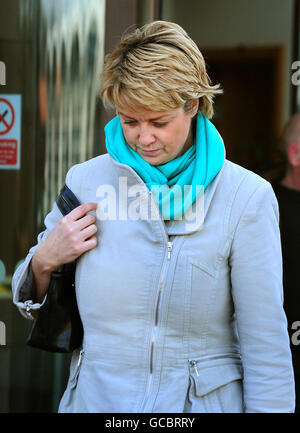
[[216, 384], [202, 266]]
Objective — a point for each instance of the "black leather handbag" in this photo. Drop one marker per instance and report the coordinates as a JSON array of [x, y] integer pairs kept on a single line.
[[58, 326]]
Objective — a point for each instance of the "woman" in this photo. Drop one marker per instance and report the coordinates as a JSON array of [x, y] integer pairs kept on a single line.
[[179, 291]]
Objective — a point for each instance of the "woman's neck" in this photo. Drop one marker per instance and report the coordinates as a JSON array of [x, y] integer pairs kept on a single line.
[[191, 137]]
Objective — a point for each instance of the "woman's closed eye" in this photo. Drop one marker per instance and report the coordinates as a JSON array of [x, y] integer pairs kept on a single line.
[[159, 124], [134, 122], [129, 122]]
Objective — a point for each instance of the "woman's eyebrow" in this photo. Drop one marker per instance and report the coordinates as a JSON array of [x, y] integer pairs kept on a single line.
[[123, 114], [151, 120]]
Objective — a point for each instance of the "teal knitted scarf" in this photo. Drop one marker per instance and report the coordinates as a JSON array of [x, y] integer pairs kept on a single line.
[[176, 184]]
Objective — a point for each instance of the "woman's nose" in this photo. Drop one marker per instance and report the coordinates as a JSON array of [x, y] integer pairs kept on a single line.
[[145, 136]]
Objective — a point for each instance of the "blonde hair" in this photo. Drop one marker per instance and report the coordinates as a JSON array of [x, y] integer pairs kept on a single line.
[[158, 67]]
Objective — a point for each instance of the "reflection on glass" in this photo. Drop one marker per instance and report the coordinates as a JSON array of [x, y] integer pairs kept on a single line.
[[71, 58]]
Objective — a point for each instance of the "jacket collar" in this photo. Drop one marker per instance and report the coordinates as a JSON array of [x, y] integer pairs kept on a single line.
[[194, 218]]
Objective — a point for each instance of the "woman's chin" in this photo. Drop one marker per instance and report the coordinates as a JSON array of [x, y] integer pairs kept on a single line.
[[155, 159]]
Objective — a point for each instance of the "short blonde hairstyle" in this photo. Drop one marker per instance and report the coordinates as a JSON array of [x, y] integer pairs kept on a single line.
[[157, 67]]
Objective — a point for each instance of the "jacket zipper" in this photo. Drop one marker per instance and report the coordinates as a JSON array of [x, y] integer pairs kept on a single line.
[[154, 332], [80, 358], [193, 362], [76, 373]]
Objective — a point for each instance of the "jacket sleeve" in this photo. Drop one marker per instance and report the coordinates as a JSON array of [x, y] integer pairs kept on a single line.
[[257, 291], [23, 284]]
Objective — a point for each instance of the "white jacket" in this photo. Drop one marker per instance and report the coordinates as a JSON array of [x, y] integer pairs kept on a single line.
[[179, 318]]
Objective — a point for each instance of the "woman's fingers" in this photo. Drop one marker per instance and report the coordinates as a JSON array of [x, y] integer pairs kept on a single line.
[[81, 211], [85, 221], [88, 231], [89, 244], [85, 224], [73, 235], [70, 238]]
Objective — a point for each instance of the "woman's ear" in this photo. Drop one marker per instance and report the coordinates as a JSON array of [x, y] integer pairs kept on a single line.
[[195, 107]]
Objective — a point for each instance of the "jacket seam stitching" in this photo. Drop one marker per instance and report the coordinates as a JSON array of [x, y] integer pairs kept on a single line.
[[244, 210]]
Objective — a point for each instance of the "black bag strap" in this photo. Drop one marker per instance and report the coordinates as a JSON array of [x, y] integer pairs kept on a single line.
[[67, 200]]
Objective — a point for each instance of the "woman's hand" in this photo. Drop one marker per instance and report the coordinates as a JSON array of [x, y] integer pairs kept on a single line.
[[72, 236]]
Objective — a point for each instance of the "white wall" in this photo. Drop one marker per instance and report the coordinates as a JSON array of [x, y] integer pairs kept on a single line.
[[229, 23]]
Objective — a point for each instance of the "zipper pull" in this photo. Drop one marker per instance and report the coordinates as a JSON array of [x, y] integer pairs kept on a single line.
[[28, 307], [194, 365], [170, 246], [80, 358]]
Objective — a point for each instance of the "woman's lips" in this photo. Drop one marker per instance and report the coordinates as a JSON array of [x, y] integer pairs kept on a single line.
[[150, 152]]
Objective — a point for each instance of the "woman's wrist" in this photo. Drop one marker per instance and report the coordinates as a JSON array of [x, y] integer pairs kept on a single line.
[[42, 275], [41, 264]]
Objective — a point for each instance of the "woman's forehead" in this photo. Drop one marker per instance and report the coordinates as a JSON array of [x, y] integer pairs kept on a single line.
[[144, 112]]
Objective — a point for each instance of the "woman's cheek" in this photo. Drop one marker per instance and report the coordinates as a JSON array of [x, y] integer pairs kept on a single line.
[[129, 137]]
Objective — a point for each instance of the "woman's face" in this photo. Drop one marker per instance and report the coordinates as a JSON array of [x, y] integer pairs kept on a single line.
[[158, 136]]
